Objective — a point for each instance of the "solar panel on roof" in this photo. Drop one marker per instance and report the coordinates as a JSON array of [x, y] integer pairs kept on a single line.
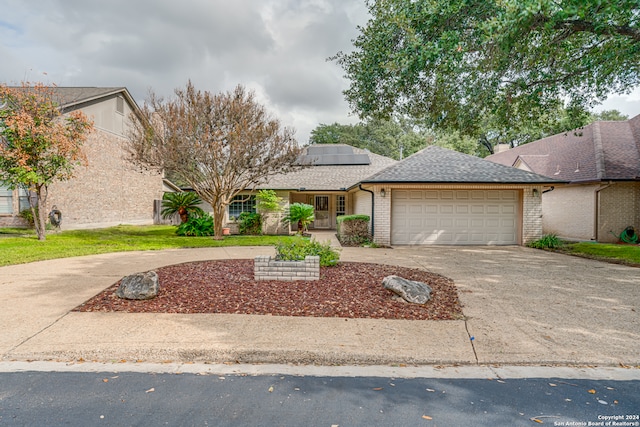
[[325, 155]]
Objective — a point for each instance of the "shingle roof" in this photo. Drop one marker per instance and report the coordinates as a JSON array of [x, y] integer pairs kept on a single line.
[[439, 165], [605, 150], [75, 95], [68, 97], [329, 178]]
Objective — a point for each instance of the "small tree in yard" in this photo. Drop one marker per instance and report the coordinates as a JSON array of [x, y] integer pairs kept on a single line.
[[300, 216], [184, 203], [219, 144], [268, 203], [38, 145]]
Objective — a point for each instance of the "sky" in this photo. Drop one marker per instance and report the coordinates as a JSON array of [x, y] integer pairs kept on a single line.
[[278, 48]]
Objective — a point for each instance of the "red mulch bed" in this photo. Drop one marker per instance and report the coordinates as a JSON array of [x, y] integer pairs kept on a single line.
[[350, 289]]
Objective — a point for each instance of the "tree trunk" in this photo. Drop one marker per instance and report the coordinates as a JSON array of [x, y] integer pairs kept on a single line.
[[39, 220], [218, 217], [184, 216]]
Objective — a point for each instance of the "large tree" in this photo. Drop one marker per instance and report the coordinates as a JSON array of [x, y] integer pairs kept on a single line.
[[38, 144], [220, 144], [454, 61]]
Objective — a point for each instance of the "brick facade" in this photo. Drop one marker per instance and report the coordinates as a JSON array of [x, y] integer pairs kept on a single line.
[[108, 190], [265, 268], [531, 214], [618, 208], [569, 211]]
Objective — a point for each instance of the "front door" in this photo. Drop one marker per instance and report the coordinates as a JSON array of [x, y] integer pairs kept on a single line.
[[322, 216]]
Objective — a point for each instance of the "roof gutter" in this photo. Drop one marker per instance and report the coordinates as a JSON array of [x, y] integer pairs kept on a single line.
[[373, 210]]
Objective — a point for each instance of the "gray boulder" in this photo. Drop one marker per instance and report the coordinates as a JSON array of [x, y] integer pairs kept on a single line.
[[139, 286], [409, 290]]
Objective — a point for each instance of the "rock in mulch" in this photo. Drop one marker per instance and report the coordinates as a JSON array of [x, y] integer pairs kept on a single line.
[[409, 290], [140, 286]]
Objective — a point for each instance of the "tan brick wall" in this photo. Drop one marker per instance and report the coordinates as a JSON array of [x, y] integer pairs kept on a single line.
[[569, 212], [618, 208], [531, 214], [265, 268], [108, 191], [362, 203], [382, 231]]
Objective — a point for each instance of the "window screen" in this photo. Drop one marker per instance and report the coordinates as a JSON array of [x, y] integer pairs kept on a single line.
[[6, 200], [242, 204]]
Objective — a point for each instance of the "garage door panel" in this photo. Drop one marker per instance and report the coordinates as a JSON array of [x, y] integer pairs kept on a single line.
[[477, 223], [414, 209], [508, 209], [462, 223], [446, 209], [447, 217], [445, 223]]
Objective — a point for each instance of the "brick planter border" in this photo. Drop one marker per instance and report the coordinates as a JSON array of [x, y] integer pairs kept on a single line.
[[265, 268]]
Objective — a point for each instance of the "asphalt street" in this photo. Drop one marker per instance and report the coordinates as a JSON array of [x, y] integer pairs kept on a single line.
[[145, 399]]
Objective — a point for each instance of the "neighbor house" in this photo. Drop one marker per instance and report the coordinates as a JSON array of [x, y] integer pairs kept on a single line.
[[436, 196], [109, 189], [601, 165]]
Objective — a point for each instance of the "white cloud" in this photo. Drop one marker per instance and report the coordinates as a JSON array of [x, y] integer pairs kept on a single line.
[[277, 47]]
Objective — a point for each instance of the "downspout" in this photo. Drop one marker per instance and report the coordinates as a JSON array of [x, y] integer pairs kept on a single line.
[[373, 201], [549, 190], [596, 217]]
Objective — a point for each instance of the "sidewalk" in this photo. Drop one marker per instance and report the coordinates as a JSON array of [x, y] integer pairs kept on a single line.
[[523, 307]]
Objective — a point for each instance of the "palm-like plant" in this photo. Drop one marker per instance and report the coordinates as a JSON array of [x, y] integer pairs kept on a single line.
[[300, 214], [184, 204]]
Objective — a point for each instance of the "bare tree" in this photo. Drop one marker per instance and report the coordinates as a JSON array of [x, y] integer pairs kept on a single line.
[[219, 144]]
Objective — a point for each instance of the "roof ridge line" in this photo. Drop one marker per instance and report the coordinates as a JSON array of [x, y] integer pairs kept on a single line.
[[599, 152]]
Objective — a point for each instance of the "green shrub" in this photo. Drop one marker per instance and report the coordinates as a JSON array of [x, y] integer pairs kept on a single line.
[[185, 204], [300, 216], [27, 215], [250, 223], [548, 241], [353, 230], [196, 225], [299, 248]]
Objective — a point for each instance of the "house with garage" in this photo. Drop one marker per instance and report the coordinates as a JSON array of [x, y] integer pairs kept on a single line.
[[326, 180], [439, 196], [108, 190], [436, 196], [600, 164]]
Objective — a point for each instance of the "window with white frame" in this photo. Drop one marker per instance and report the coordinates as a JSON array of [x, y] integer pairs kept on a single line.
[[24, 199], [242, 203], [6, 200], [341, 206]]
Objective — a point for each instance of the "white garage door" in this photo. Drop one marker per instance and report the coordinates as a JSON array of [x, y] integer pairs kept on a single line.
[[454, 217]]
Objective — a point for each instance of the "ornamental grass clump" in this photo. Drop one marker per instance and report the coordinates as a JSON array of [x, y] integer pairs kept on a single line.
[[548, 241], [300, 248]]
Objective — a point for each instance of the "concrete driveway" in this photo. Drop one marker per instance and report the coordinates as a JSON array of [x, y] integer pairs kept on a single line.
[[529, 306], [523, 306]]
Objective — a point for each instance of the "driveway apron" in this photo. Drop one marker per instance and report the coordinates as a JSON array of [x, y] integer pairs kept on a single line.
[[522, 306]]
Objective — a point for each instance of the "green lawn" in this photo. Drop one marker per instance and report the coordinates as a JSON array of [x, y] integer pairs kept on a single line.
[[19, 246], [628, 254]]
